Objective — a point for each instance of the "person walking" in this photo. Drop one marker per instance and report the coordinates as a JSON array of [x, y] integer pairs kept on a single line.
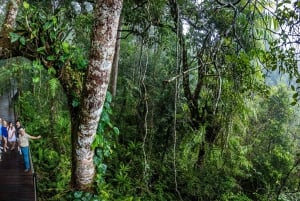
[[4, 134], [24, 145], [18, 126], [11, 135]]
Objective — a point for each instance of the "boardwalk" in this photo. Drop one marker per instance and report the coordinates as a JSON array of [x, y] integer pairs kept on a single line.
[[15, 184]]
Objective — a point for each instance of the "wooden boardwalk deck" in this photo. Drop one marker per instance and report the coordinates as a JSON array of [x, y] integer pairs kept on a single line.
[[15, 184]]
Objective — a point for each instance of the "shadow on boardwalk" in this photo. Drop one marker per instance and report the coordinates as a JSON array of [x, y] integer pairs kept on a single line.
[[15, 184]]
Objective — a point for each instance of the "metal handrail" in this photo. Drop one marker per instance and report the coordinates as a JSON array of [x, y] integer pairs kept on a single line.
[[33, 176]]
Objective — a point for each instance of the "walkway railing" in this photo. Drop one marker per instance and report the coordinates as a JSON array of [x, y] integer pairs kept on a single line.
[[33, 176]]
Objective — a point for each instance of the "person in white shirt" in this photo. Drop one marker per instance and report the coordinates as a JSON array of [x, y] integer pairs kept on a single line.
[[24, 145], [11, 135]]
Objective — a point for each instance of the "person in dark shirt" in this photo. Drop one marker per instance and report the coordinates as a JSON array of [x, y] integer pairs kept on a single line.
[[4, 135], [18, 127], [1, 147]]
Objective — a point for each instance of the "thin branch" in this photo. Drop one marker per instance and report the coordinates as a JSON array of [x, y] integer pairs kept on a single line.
[[186, 72], [228, 4], [285, 179]]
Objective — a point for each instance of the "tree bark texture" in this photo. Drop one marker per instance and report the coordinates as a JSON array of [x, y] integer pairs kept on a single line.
[[107, 14], [8, 25]]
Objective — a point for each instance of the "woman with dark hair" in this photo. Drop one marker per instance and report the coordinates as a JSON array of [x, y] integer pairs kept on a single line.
[[18, 126]]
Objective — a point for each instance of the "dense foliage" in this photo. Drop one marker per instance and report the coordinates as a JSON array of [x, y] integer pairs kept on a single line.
[[194, 117]]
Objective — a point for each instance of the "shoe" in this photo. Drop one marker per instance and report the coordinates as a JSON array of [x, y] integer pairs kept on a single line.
[[26, 170]]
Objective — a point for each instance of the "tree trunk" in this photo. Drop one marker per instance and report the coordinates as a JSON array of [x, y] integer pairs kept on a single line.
[[7, 26], [107, 14], [115, 66]]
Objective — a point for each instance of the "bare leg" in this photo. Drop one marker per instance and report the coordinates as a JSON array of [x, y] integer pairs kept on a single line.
[[13, 144], [5, 144]]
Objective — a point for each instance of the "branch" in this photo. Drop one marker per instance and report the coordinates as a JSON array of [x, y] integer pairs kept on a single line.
[[285, 179], [228, 4], [186, 72]]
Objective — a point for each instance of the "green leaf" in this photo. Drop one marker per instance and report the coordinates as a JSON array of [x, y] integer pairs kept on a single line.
[[41, 49], [51, 71], [14, 37], [54, 20], [51, 58], [53, 84], [22, 40], [116, 130], [108, 97], [78, 194], [293, 103], [25, 5], [295, 95], [47, 25], [99, 152], [35, 79], [293, 87], [105, 117], [53, 35], [66, 47], [75, 103]]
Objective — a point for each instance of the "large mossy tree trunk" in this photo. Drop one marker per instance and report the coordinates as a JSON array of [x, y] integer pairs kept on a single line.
[[107, 14]]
